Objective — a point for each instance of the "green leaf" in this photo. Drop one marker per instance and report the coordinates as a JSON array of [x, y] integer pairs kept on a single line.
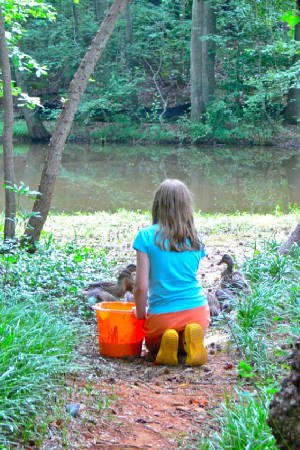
[[245, 370], [291, 19]]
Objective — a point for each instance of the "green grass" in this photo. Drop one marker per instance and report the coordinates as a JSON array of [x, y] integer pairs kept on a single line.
[[132, 132], [37, 345], [243, 425]]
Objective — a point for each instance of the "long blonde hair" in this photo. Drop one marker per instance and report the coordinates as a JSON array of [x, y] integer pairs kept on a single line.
[[172, 211]]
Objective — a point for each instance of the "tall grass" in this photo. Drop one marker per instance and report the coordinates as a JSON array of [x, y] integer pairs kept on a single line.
[[36, 345], [41, 312], [265, 320]]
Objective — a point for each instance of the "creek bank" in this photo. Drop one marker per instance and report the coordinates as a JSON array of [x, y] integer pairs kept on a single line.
[[172, 133]]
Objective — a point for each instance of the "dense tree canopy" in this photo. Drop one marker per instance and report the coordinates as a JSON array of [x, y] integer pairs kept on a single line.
[[146, 65]]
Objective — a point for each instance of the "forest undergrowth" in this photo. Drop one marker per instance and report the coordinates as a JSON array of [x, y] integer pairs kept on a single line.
[[45, 320]]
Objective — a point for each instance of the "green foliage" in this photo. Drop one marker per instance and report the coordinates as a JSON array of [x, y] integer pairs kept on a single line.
[[37, 345], [275, 280], [255, 65], [41, 312]]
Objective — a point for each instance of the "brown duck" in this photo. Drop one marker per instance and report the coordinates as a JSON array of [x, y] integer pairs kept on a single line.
[[231, 279], [110, 291]]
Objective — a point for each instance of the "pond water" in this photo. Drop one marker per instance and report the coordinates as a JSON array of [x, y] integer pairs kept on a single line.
[[222, 179]]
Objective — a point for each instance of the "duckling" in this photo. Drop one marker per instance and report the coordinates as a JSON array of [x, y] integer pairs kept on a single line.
[[213, 303], [225, 296], [230, 279], [110, 291]]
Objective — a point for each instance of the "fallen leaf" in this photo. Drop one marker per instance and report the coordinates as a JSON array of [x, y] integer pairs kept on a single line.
[[228, 366], [202, 402], [58, 422]]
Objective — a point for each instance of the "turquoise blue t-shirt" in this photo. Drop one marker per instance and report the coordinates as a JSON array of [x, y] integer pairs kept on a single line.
[[173, 285]]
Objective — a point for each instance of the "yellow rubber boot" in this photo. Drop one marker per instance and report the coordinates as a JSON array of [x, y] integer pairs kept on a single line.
[[194, 345], [168, 349]]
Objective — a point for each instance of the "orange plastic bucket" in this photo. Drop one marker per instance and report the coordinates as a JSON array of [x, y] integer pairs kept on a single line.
[[120, 332]]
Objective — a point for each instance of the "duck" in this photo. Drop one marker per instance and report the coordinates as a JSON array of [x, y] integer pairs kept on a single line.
[[108, 291], [231, 280]]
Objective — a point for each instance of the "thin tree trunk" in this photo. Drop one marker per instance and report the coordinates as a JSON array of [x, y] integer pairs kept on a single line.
[[76, 21], [182, 10], [292, 112], [128, 29], [99, 9], [65, 120], [202, 57], [294, 238], [35, 126], [128, 35], [8, 159]]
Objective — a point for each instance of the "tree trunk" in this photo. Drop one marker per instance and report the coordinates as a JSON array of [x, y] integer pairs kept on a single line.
[[65, 120], [128, 29], [99, 9], [76, 21], [128, 36], [292, 112], [294, 238], [8, 158], [284, 410], [182, 10], [35, 126], [202, 57]]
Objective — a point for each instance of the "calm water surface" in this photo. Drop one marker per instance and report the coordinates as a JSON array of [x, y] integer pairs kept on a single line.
[[222, 179]]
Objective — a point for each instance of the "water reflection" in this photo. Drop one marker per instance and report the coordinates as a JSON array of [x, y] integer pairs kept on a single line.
[[222, 179]]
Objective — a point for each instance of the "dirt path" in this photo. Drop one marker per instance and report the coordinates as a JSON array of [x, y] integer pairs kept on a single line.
[[139, 405]]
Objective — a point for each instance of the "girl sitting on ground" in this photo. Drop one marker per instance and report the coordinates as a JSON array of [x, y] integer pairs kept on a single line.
[[168, 255]]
